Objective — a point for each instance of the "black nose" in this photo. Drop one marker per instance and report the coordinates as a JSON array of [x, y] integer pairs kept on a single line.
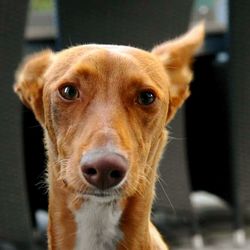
[[104, 170]]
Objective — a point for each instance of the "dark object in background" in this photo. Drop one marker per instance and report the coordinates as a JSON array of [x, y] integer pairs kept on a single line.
[[207, 128], [136, 23], [239, 106], [35, 162], [15, 224]]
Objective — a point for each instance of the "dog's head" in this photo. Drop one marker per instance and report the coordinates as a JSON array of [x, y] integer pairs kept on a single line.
[[104, 109]]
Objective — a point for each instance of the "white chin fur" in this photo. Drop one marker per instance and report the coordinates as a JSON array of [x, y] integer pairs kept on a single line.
[[98, 223]]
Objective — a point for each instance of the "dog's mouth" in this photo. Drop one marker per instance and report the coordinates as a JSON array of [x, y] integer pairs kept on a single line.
[[111, 194], [102, 195], [116, 192]]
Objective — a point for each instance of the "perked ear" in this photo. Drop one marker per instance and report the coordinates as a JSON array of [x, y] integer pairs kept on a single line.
[[176, 56], [29, 82]]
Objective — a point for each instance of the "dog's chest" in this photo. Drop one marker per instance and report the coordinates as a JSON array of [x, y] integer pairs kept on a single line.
[[98, 226]]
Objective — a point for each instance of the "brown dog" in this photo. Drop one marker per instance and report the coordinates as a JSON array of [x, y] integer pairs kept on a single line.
[[104, 109]]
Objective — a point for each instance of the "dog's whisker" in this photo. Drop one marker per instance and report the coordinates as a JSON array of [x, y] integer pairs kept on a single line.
[[167, 196], [170, 138], [43, 186]]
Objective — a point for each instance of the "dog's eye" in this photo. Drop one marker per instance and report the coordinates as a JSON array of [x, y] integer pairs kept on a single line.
[[69, 92], [146, 97]]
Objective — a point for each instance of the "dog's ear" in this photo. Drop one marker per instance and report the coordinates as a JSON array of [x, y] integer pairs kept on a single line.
[[29, 82], [176, 56]]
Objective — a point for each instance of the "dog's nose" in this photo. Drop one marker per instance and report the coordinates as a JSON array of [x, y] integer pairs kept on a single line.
[[104, 171]]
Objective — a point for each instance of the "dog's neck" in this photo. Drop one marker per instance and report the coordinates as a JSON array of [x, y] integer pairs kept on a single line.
[[98, 225], [105, 226]]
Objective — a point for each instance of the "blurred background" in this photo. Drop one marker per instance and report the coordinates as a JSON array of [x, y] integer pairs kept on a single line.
[[203, 193]]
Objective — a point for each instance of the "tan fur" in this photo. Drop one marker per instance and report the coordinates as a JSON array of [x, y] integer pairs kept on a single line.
[[109, 79]]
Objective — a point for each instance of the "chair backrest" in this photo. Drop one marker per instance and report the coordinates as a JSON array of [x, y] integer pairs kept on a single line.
[[15, 224], [137, 23], [239, 104]]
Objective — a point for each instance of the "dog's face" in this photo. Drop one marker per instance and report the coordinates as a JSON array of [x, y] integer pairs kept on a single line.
[[104, 109]]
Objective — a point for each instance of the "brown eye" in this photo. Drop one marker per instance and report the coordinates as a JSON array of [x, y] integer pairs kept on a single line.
[[146, 98], [69, 92]]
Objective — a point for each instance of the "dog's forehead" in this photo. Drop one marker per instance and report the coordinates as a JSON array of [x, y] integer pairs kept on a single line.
[[106, 58], [105, 53]]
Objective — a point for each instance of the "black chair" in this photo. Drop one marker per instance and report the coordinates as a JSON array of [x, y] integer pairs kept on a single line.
[[15, 221], [238, 93]]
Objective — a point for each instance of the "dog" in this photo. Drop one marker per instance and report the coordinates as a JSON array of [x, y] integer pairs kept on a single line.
[[104, 111]]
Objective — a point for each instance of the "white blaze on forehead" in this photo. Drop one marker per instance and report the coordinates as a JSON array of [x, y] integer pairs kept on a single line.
[[98, 225]]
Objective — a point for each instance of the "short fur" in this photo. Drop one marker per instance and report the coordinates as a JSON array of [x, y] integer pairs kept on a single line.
[[106, 116], [98, 225]]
